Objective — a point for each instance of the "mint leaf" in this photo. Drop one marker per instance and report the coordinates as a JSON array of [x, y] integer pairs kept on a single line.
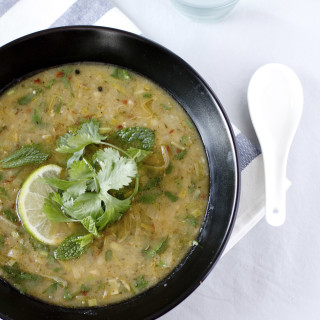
[[73, 247], [137, 154], [29, 154], [87, 134], [136, 137]]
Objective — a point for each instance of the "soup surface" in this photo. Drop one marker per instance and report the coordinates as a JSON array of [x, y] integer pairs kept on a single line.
[[155, 228]]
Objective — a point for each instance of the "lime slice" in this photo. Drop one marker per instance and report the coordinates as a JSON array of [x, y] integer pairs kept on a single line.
[[30, 207]]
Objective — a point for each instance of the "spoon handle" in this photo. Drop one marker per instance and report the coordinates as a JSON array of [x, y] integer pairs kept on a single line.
[[275, 165]]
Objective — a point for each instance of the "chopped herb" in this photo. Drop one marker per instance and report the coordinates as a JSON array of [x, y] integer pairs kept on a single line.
[[153, 183], [73, 247], [148, 198], [180, 155], [84, 288], [17, 275], [189, 123], [57, 106], [169, 168], [121, 74], [136, 137], [165, 106], [1, 176], [162, 264], [36, 118], [108, 255], [36, 245], [10, 216], [147, 95], [171, 196], [140, 282], [160, 248], [1, 241], [49, 84], [28, 97], [30, 154], [52, 288], [184, 140], [3, 193], [67, 295], [191, 219], [192, 187]]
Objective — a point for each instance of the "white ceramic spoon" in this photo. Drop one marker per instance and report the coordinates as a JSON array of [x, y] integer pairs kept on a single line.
[[275, 99]]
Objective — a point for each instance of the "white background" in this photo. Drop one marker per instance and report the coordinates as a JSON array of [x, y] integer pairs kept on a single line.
[[273, 273]]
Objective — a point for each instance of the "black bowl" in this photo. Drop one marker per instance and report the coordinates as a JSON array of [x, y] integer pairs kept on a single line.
[[58, 46]]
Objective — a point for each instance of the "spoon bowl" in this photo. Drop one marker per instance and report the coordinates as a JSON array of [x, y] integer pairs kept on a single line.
[[275, 99]]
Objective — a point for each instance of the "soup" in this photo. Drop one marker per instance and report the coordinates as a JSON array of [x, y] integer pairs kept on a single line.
[[103, 185]]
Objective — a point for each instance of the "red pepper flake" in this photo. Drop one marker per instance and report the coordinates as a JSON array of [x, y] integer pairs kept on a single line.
[[74, 112], [125, 101], [179, 150], [13, 206], [19, 223], [28, 110], [171, 131], [69, 77], [120, 126], [7, 181], [169, 148], [84, 293], [37, 81], [203, 196], [12, 177], [18, 146], [87, 117], [59, 74]]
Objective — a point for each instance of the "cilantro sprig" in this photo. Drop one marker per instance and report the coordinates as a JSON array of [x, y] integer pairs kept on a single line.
[[86, 196]]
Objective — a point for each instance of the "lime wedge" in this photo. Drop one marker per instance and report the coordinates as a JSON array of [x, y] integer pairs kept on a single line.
[[30, 207]]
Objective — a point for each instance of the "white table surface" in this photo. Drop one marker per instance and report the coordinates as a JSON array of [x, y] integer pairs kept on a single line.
[[272, 273]]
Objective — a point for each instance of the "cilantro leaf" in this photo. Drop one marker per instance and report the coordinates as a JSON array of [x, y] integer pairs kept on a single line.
[[53, 209], [116, 171], [87, 134], [87, 204], [29, 154], [75, 157], [90, 225], [136, 137], [73, 247]]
